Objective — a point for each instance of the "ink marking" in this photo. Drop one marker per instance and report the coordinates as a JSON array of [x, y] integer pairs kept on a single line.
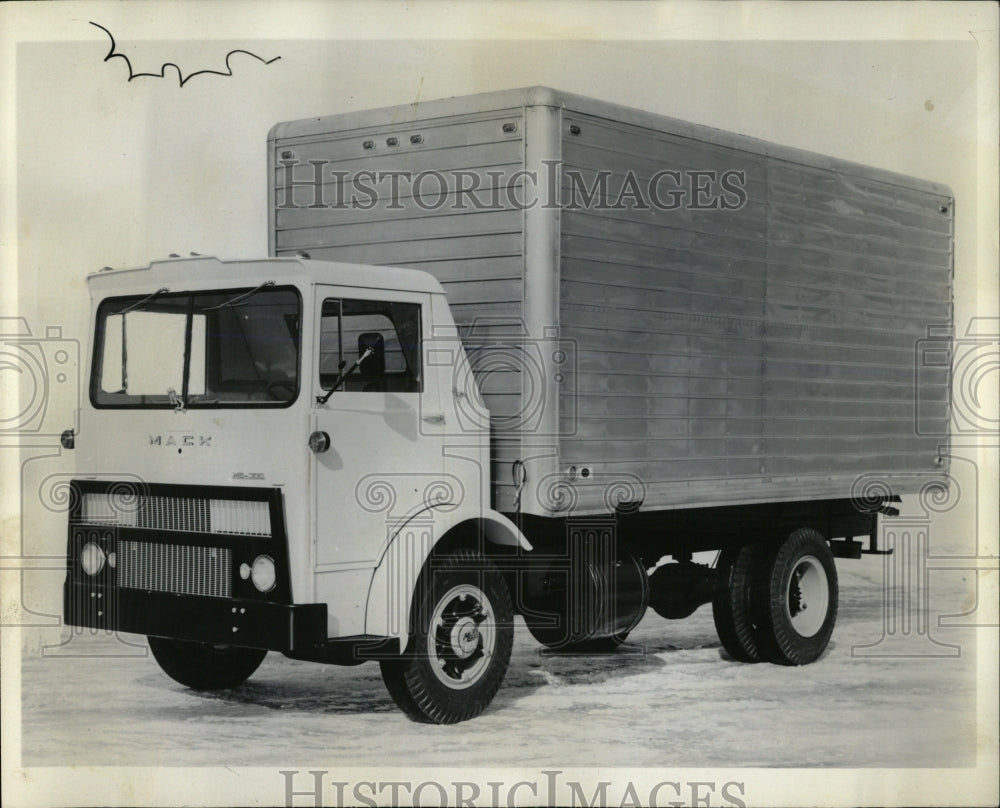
[[113, 54]]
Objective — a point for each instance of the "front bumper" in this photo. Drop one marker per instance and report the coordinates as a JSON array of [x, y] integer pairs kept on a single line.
[[252, 623], [172, 560]]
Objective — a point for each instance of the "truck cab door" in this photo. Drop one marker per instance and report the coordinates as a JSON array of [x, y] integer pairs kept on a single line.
[[383, 460]]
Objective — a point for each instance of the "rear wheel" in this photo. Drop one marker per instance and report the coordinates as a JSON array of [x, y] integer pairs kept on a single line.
[[731, 604], [202, 666], [795, 604], [461, 643]]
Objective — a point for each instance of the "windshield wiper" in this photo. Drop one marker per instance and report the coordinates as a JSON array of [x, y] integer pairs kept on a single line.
[[175, 400], [343, 376], [240, 298], [144, 301]]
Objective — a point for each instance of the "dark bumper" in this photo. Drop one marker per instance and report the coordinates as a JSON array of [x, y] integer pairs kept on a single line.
[[250, 623]]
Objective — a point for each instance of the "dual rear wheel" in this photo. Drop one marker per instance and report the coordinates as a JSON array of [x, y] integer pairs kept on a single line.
[[777, 603]]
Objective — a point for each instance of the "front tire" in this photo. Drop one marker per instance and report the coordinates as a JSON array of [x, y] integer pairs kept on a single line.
[[202, 666], [460, 645], [795, 603]]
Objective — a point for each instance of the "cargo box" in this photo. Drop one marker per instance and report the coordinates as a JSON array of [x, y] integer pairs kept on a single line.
[[659, 313]]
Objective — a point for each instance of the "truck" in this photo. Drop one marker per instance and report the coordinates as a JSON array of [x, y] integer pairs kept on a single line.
[[520, 356]]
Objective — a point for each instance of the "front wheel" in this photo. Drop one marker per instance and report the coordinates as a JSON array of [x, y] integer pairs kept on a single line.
[[460, 645], [202, 666], [795, 600]]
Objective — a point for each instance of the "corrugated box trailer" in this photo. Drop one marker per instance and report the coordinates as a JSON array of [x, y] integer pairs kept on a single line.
[[706, 318]]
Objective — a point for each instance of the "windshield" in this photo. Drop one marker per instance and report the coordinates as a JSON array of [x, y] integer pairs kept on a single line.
[[231, 347]]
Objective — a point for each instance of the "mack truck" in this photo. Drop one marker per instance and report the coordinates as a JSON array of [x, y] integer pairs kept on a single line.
[[521, 358]]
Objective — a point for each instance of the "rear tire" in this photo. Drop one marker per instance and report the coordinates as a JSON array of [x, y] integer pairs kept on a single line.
[[460, 645], [731, 605], [202, 666], [795, 605]]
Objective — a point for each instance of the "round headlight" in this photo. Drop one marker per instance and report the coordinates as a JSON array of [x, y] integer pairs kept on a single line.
[[262, 573], [91, 558]]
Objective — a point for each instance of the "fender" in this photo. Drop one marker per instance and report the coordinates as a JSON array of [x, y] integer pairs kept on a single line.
[[390, 594]]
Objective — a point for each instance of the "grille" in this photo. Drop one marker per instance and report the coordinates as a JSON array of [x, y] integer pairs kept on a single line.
[[174, 568], [180, 514]]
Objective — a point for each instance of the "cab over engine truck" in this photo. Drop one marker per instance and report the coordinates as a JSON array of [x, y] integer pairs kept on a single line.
[[519, 353]]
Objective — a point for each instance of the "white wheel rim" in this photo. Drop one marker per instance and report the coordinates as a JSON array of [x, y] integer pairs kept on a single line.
[[462, 636], [807, 598]]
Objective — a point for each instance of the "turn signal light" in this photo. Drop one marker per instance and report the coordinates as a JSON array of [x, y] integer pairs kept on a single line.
[[319, 442]]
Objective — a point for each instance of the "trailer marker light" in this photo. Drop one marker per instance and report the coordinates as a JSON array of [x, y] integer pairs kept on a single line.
[[244, 572], [392, 141], [368, 145], [263, 573], [91, 558], [112, 560], [509, 127], [68, 439], [415, 139]]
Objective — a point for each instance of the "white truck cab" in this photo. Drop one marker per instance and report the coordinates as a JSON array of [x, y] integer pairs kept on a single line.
[[265, 448]]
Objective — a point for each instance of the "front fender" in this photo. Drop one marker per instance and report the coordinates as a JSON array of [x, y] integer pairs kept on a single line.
[[390, 595]]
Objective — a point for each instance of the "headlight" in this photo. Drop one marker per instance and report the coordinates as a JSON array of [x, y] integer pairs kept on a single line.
[[91, 558], [262, 573]]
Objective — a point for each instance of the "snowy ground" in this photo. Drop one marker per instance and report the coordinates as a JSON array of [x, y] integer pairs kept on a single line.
[[669, 697]]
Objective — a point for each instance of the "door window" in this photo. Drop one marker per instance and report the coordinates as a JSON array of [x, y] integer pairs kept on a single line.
[[384, 336]]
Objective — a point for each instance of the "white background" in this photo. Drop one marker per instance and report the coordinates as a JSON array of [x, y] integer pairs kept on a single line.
[[101, 171]]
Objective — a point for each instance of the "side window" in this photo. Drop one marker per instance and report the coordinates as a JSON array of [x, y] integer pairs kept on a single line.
[[389, 333]]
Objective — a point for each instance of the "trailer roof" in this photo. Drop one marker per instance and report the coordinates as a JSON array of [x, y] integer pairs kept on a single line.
[[204, 272], [423, 111]]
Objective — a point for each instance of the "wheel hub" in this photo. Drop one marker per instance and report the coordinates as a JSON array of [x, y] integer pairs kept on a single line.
[[464, 638], [807, 586]]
